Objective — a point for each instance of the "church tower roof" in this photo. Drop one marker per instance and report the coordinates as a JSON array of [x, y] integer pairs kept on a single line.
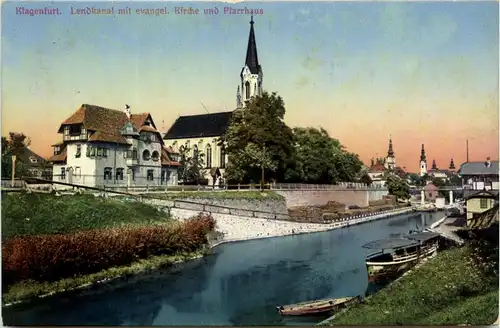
[[452, 165], [390, 152], [422, 154], [252, 60], [434, 167]]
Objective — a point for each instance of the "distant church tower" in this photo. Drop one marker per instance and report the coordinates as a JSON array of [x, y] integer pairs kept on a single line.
[[251, 74], [390, 160], [452, 165], [423, 162], [434, 166]]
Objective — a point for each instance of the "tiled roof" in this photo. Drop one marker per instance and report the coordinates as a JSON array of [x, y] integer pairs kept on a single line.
[[478, 168], [138, 119], [165, 158], [199, 126], [61, 157], [377, 168], [104, 122], [148, 128], [27, 154]]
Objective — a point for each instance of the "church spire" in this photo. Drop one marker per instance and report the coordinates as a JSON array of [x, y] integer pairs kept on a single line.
[[452, 165], [434, 167], [252, 60], [422, 154], [390, 152]]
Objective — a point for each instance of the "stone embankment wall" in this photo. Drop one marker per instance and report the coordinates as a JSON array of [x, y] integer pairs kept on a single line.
[[359, 197], [188, 207]]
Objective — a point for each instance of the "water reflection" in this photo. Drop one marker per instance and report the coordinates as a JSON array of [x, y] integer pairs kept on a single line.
[[240, 284]]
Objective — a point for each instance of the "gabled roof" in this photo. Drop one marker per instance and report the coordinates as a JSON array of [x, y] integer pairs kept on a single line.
[[61, 157], [199, 126], [26, 155], [165, 157], [478, 168], [106, 123], [484, 194]]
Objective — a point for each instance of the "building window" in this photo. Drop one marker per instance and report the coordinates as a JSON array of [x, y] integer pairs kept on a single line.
[[146, 155], [108, 173], [150, 176], [57, 150], [92, 152], [133, 174], [155, 156], [63, 173], [208, 155], [99, 152], [195, 152], [163, 176], [483, 203], [66, 130], [247, 90], [119, 173], [222, 156], [131, 153], [104, 152], [78, 171], [78, 151]]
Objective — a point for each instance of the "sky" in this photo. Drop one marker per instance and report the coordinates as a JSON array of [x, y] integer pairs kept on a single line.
[[420, 72]]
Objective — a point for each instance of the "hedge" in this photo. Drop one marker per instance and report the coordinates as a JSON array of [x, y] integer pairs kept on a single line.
[[53, 257]]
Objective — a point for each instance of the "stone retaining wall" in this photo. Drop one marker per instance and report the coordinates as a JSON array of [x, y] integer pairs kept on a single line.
[[320, 197]]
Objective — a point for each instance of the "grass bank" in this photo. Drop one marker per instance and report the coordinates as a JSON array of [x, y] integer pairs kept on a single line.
[[242, 194], [449, 289], [37, 214], [29, 290], [54, 243]]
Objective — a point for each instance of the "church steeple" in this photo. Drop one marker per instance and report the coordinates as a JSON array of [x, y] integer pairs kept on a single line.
[[251, 73], [423, 162], [452, 165], [390, 152], [434, 167], [252, 60]]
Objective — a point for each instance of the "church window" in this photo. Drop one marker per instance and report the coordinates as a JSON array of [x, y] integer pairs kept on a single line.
[[195, 152], [208, 155], [222, 157], [155, 156], [247, 90]]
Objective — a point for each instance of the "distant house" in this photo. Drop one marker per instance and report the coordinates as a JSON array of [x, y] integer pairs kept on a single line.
[[480, 202], [479, 176], [107, 147], [377, 174], [35, 165], [431, 192]]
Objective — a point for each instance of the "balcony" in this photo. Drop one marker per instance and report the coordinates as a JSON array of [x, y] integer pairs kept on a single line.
[[73, 137]]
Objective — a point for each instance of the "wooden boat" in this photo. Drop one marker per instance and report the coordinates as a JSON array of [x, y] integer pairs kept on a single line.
[[398, 255], [318, 307]]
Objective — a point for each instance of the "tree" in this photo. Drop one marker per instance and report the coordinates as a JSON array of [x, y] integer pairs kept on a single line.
[[14, 145], [455, 180], [261, 158], [192, 167], [347, 166], [260, 124], [440, 183], [366, 179], [398, 187], [414, 179]]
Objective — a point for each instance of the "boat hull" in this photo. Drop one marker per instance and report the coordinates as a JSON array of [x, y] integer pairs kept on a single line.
[[317, 307], [380, 272]]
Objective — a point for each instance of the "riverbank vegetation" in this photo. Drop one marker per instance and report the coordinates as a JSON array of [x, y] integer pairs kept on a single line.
[[458, 286], [36, 258]]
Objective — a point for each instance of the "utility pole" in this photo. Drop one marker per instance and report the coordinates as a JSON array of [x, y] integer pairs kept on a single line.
[[467, 149]]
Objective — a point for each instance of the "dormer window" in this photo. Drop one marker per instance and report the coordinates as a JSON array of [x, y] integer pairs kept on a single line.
[[57, 150]]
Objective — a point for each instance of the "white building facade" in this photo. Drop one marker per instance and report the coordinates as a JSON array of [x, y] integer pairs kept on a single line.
[[112, 148]]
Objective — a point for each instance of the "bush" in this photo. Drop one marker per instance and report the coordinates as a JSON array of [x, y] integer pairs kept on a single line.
[[53, 257]]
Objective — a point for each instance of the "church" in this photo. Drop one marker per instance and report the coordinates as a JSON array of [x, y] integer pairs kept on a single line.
[[201, 133]]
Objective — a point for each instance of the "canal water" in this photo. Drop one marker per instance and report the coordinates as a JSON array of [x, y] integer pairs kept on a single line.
[[239, 284]]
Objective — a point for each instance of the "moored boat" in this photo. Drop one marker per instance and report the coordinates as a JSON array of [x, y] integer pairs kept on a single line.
[[397, 255], [318, 307]]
